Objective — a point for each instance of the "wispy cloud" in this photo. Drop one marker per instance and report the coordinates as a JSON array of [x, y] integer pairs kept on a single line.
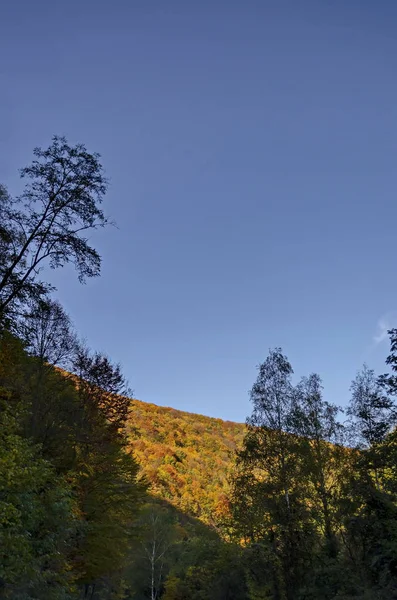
[[386, 322]]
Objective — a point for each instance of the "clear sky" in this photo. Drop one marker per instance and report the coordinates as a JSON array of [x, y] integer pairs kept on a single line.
[[251, 148]]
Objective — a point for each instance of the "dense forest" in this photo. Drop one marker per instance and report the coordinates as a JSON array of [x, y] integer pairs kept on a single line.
[[186, 458], [104, 497]]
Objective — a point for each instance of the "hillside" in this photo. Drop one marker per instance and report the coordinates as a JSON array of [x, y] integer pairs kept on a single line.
[[186, 457]]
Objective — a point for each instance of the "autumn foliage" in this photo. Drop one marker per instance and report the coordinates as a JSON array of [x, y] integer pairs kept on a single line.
[[185, 457]]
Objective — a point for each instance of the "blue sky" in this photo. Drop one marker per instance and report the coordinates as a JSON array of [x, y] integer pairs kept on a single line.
[[251, 148]]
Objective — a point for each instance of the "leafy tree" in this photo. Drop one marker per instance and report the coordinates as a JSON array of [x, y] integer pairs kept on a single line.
[[102, 386], [78, 445], [36, 516], [263, 572], [109, 496], [370, 538], [315, 422], [158, 534], [371, 410], [48, 332], [48, 223], [69, 486], [206, 567], [272, 398], [268, 494], [186, 458], [371, 414]]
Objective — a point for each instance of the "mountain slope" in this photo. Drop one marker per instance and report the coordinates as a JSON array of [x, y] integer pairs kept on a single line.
[[185, 457]]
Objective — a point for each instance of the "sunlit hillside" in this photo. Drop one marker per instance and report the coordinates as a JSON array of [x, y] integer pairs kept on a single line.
[[186, 457]]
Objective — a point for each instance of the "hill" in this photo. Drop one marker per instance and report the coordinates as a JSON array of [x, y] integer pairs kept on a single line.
[[185, 457]]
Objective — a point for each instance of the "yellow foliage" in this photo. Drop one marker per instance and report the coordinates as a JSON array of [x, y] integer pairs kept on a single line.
[[185, 457]]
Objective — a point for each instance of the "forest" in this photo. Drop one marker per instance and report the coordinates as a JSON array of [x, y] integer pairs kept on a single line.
[[105, 497]]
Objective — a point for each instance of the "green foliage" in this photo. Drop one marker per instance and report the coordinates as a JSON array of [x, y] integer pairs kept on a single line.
[[298, 516], [109, 497], [269, 489], [69, 487], [153, 552], [36, 516], [207, 568], [317, 519], [371, 411]]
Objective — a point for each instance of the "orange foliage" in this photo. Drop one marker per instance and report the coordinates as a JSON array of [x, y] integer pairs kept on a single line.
[[185, 457]]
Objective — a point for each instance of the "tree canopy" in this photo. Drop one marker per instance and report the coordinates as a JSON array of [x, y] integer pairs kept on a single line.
[[104, 497]]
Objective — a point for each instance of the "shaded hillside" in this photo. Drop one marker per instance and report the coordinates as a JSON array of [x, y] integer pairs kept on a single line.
[[186, 457]]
